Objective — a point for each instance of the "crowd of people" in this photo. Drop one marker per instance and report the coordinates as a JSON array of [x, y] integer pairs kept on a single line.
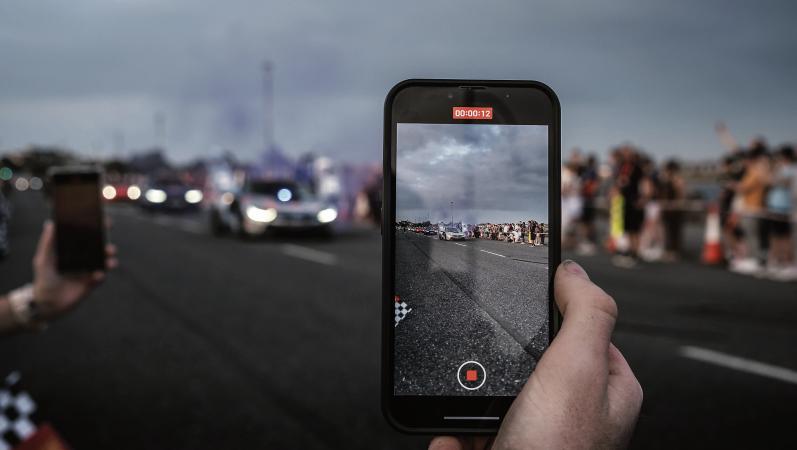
[[529, 232], [647, 205]]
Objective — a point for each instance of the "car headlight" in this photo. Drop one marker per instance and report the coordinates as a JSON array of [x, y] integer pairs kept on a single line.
[[327, 215], [155, 195], [133, 192], [193, 196], [109, 192], [261, 215]]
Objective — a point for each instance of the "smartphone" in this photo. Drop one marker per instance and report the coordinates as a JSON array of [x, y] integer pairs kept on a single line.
[[470, 244], [78, 216]]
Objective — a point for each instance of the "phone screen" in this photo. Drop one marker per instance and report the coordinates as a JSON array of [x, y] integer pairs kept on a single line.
[[471, 256], [78, 222]]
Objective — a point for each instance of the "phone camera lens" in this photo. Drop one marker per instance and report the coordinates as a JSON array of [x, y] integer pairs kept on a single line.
[[450, 96], [507, 95]]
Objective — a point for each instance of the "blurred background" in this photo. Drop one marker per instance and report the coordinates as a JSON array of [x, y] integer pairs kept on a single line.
[[678, 194]]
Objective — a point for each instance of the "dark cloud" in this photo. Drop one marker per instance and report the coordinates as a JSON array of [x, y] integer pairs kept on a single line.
[[491, 172], [658, 74]]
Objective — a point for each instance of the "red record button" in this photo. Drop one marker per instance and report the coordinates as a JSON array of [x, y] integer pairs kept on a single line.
[[472, 113], [471, 375]]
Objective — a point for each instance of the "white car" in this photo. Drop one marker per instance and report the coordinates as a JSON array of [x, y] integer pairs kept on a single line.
[[273, 204], [451, 234]]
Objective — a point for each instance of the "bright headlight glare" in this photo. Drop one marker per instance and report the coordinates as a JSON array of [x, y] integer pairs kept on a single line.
[[193, 196], [327, 215], [133, 192], [261, 215], [109, 192], [155, 196]]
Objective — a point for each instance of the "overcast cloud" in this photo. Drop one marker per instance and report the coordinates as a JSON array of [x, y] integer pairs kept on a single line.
[[79, 73], [492, 173]]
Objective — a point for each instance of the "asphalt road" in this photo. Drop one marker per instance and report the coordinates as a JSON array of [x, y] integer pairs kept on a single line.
[[208, 343], [474, 300]]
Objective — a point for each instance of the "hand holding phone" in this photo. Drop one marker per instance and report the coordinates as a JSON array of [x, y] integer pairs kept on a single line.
[[57, 293], [72, 255], [471, 237], [582, 394]]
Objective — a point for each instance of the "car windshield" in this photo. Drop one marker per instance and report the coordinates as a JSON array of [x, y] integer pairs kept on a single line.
[[452, 230], [282, 190]]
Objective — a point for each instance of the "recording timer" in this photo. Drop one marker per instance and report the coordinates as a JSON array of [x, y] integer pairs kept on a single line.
[[472, 113]]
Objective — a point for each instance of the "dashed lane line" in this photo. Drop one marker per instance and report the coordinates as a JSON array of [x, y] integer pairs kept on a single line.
[[739, 363], [192, 227], [309, 254], [496, 254]]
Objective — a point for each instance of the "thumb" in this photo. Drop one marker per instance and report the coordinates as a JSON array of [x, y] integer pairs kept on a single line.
[[589, 312], [45, 250], [445, 443]]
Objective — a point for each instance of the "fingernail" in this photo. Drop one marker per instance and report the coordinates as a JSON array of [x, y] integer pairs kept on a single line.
[[573, 267]]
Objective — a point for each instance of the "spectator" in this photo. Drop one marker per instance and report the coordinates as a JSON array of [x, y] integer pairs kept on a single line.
[[673, 194], [628, 178], [780, 203], [651, 238], [589, 185], [751, 190], [571, 199], [731, 172]]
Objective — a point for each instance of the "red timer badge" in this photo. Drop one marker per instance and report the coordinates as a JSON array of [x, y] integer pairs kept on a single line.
[[472, 113]]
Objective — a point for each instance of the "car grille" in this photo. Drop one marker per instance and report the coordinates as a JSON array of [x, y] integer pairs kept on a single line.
[[296, 217]]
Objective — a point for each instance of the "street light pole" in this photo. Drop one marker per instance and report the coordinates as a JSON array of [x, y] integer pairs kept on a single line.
[[452, 214]]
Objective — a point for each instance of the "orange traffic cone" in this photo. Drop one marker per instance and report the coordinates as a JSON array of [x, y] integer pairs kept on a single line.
[[712, 247]]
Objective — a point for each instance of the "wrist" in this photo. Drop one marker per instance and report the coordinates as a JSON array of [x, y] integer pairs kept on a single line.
[[25, 310]]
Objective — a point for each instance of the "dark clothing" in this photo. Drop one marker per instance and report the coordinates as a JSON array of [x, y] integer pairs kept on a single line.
[[633, 216], [673, 224], [780, 226]]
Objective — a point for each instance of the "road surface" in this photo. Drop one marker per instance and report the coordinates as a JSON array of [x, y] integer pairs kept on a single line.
[[471, 300], [206, 343]]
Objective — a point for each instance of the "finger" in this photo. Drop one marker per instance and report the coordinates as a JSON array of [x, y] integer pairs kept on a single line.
[[625, 392], [624, 396], [589, 312], [618, 366], [446, 443], [111, 263], [45, 250], [110, 250]]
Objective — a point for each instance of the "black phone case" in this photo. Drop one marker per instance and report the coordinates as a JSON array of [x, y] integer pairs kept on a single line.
[[388, 238], [98, 261]]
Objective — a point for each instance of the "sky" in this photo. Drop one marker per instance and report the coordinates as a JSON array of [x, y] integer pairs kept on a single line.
[[491, 173], [93, 75]]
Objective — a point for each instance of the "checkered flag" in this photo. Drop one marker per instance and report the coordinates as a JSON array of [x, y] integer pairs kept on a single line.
[[16, 413], [401, 310]]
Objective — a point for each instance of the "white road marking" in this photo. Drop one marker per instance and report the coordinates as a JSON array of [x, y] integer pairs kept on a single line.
[[309, 254], [121, 211], [461, 245], [192, 227], [164, 221], [738, 363], [185, 224], [496, 254]]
